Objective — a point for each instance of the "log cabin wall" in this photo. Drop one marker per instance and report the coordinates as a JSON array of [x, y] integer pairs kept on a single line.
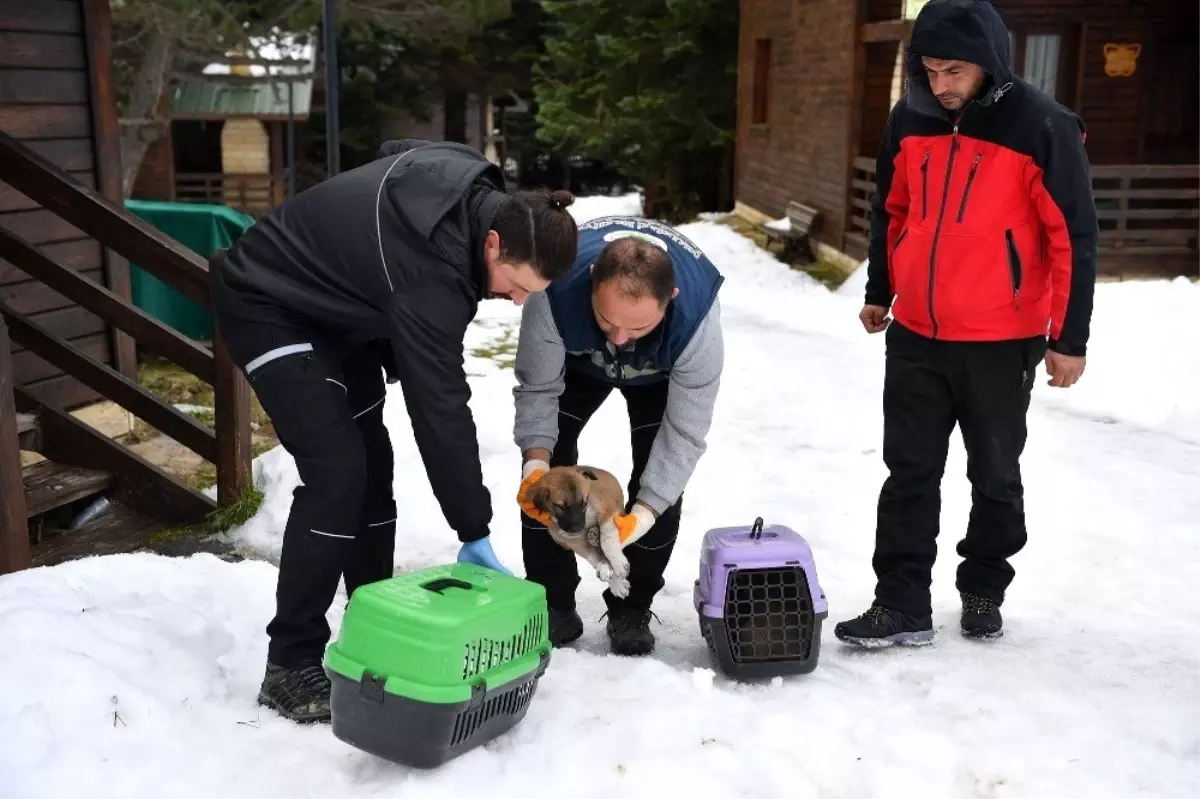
[[795, 92], [56, 95]]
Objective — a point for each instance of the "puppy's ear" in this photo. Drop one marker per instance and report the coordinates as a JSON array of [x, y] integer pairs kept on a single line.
[[539, 496], [589, 474]]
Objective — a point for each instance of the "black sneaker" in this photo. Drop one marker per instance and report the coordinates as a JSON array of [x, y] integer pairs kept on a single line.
[[629, 632], [980, 617], [880, 627], [300, 694], [565, 627]]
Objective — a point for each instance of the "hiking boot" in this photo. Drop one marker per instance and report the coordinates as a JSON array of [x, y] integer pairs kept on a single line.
[[880, 627], [565, 627], [980, 617], [300, 694], [629, 632]]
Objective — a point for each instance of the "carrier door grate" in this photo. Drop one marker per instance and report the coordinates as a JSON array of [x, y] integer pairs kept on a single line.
[[769, 614]]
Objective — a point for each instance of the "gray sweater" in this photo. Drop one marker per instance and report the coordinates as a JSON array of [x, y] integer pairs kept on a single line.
[[691, 394]]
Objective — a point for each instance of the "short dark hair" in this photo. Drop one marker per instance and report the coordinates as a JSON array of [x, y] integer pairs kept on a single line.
[[535, 228], [641, 267]]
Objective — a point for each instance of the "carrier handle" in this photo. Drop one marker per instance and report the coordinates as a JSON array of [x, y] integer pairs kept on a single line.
[[441, 584], [756, 529]]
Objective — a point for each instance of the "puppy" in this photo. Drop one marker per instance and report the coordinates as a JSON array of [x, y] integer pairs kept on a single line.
[[581, 502]]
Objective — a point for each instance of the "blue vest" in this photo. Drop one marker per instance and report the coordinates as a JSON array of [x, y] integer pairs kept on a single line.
[[649, 358]]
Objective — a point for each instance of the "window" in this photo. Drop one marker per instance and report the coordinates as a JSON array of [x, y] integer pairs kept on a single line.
[[762, 75], [1047, 58]]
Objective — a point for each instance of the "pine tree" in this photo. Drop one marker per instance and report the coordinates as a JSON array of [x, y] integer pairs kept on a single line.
[[649, 86]]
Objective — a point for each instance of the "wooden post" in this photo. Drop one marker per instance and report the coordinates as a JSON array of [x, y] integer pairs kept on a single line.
[[14, 532], [97, 18], [231, 393]]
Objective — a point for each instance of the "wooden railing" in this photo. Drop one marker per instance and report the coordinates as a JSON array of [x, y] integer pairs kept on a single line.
[[251, 193], [227, 445], [1143, 209]]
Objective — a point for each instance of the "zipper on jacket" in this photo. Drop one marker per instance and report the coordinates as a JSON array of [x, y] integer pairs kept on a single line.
[[962, 208], [938, 227], [925, 185], [1014, 266], [899, 239]]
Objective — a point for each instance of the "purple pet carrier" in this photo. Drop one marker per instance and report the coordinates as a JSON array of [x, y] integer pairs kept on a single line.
[[759, 602]]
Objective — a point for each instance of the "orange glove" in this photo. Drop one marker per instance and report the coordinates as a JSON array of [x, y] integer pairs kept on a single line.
[[632, 526], [531, 472]]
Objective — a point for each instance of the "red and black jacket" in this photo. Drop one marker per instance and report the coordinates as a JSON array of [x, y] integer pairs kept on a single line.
[[984, 226]]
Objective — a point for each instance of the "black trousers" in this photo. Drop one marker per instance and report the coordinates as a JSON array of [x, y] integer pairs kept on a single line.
[[327, 408], [556, 568], [929, 386]]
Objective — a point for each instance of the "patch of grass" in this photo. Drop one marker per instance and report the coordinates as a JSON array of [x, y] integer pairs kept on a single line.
[[829, 274], [236, 513], [173, 384], [501, 351]]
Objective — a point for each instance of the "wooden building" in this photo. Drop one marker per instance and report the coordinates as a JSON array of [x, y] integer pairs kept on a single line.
[[817, 79], [69, 332]]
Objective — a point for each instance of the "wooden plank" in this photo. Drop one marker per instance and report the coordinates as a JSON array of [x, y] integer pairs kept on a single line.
[[14, 532], [27, 432], [45, 16], [40, 227], [61, 391], [43, 87], [1137, 171], [1148, 213], [106, 138], [1153, 234], [29, 367], [1146, 194], [112, 384], [45, 121], [142, 485], [81, 255], [108, 222], [153, 334], [13, 200], [121, 529], [892, 30], [20, 50], [68, 323], [70, 155], [50, 485], [231, 395], [34, 297]]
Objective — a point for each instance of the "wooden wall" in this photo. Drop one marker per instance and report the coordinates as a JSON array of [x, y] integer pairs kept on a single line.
[[53, 96], [1126, 116], [801, 151]]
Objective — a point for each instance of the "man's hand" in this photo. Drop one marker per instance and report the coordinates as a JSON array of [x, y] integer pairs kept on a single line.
[[531, 472], [632, 526], [1064, 370], [874, 318]]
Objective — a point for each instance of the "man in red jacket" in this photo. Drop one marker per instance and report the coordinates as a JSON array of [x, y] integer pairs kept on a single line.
[[983, 245]]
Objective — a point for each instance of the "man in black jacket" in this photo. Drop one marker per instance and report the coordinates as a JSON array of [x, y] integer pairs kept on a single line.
[[379, 269]]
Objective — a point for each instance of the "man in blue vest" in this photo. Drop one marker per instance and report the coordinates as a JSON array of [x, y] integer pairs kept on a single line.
[[638, 312]]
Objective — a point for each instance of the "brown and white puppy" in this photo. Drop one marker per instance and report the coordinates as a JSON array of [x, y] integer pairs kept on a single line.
[[581, 502]]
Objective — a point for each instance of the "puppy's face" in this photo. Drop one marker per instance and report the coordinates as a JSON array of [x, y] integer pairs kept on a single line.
[[563, 494]]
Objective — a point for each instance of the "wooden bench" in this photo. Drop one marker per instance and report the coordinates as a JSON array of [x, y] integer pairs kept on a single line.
[[800, 219]]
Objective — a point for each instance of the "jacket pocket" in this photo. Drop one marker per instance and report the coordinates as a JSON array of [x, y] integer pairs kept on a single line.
[[925, 185], [962, 207], [1014, 263]]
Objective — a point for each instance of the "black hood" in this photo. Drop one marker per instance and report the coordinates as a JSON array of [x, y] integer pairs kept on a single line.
[[962, 30]]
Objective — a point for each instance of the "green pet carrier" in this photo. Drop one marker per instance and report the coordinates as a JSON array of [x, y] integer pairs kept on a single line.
[[431, 664]]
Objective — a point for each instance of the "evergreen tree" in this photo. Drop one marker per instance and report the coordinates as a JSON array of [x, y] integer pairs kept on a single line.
[[649, 86]]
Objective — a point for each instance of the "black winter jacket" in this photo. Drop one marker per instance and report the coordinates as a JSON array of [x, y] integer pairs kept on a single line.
[[391, 251]]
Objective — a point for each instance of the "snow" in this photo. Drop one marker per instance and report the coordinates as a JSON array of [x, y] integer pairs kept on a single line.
[[136, 675]]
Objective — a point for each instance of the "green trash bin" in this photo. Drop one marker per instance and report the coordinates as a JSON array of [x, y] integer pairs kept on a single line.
[[200, 227]]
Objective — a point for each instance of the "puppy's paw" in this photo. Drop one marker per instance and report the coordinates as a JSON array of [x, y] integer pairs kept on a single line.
[[619, 586], [604, 572], [620, 567]]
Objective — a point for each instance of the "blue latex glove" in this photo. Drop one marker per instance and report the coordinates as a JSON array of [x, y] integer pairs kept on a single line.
[[480, 553]]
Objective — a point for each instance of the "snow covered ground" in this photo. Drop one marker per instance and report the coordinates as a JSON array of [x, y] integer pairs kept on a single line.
[[136, 675]]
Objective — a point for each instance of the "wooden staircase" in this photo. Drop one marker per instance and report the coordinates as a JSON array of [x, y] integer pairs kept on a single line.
[[38, 503]]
